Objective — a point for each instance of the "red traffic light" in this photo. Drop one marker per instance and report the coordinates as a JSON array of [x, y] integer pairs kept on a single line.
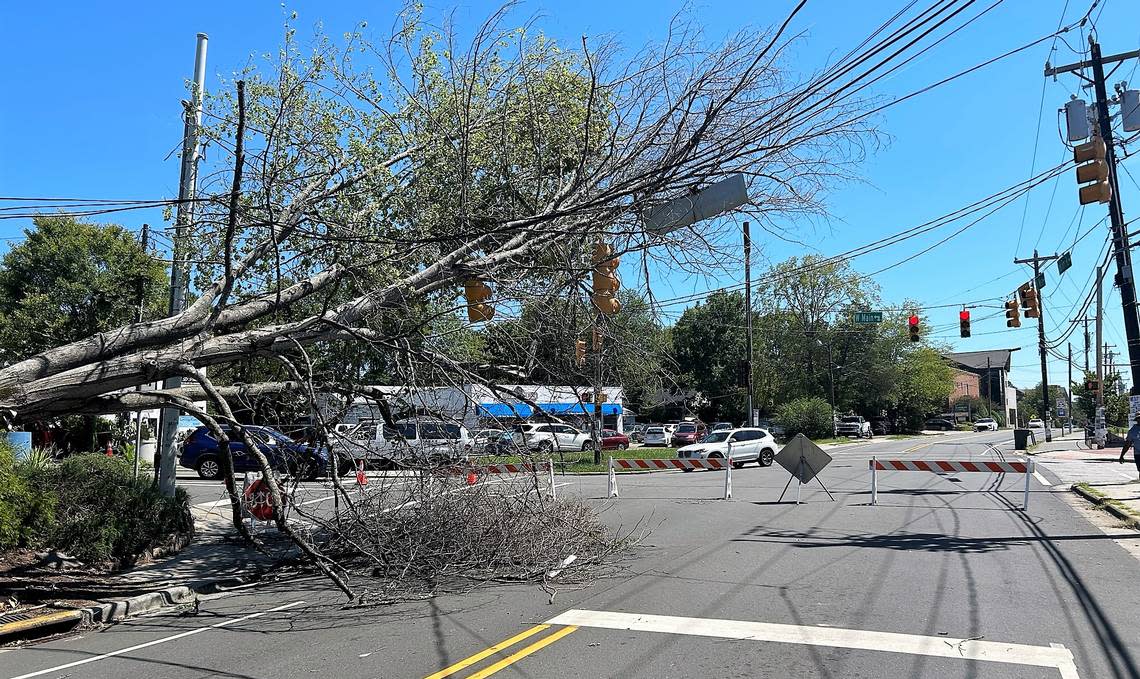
[[964, 315], [913, 321]]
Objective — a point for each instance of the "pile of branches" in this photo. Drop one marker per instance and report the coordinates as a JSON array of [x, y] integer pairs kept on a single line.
[[444, 534]]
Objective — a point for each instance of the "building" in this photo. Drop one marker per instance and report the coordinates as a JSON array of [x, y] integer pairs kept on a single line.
[[477, 405], [989, 372]]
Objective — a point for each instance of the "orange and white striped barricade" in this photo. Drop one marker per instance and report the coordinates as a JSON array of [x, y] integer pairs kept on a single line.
[[1025, 467], [665, 465], [504, 468]]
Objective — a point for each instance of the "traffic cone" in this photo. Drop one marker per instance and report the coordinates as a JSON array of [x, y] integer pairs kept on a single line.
[[471, 478], [109, 452]]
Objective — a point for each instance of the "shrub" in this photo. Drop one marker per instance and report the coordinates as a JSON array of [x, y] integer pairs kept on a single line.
[[103, 514], [808, 416]]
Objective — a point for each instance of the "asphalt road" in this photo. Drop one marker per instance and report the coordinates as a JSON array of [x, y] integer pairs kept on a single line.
[[945, 577]]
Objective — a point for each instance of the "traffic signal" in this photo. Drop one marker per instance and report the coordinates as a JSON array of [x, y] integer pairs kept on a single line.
[[1094, 170], [1092, 385], [1032, 303], [1012, 314], [605, 279], [964, 322], [597, 339], [477, 293], [580, 351], [913, 323]]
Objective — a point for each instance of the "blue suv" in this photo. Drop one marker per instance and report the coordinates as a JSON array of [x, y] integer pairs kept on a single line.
[[200, 452]]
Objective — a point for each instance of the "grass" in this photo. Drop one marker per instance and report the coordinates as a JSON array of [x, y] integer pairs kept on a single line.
[[1103, 499]]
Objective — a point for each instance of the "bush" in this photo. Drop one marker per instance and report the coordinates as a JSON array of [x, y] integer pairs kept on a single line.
[[102, 514], [808, 416], [15, 501]]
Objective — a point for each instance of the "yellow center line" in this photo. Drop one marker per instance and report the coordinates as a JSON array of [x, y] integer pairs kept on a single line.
[[522, 653], [471, 660]]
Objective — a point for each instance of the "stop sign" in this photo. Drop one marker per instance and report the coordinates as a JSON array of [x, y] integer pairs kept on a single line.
[[258, 500]]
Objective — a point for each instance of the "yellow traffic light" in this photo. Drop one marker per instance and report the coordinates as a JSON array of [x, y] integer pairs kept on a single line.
[[1094, 170], [1012, 314], [477, 293], [1032, 304], [597, 339], [605, 280]]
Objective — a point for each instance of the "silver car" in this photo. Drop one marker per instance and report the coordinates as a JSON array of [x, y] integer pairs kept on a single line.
[[655, 436], [742, 445]]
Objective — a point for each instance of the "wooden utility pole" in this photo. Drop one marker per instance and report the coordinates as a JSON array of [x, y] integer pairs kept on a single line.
[[1036, 260], [140, 299], [1125, 280]]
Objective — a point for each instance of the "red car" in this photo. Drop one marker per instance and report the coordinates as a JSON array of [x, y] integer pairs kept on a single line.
[[688, 433], [612, 440]]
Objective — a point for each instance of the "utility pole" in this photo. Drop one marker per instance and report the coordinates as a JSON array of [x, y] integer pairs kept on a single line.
[[140, 296], [187, 188], [1123, 255], [1085, 320], [748, 315], [596, 420], [1036, 261], [1069, 391], [1099, 334]]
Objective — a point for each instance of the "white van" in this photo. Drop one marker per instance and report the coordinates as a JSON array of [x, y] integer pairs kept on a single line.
[[413, 439]]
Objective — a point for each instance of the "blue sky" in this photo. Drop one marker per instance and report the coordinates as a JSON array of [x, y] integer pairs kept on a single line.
[[92, 92]]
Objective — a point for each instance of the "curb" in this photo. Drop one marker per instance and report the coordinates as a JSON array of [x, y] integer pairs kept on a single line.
[[1107, 506], [113, 611]]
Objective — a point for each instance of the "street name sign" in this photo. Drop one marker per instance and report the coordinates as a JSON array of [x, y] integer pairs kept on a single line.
[[868, 317]]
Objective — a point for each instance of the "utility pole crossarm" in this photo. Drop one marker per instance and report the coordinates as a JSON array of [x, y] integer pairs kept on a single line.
[[1081, 65]]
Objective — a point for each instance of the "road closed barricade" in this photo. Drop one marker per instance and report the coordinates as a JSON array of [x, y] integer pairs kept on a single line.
[[664, 465], [472, 473], [1025, 467]]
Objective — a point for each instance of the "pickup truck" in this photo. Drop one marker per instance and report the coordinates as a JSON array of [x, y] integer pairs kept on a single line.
[[853, 425]]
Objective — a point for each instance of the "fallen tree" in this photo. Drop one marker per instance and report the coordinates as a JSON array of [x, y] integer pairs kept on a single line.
[[354, 188]]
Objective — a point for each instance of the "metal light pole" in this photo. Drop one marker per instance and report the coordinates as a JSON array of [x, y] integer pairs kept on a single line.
[[187, 188]]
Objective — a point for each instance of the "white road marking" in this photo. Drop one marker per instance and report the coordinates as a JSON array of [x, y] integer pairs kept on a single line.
[[1041, 479], [156, 642], [1057, 657]]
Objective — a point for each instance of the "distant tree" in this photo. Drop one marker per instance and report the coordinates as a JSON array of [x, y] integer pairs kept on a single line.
[[70, 279], [709, 342], [1030, 406]]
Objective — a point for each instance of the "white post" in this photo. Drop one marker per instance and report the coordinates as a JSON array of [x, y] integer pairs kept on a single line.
[[799, 483], [874, 484], [728, 478], [246, 481], [550, 470], [613, 479], [1029, 467]]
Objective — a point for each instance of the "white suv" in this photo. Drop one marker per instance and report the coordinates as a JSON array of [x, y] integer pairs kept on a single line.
[[547, 438], [744, 445]]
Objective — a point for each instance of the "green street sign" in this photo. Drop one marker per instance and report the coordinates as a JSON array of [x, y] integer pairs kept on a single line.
[[868, 317], [1064, 262]]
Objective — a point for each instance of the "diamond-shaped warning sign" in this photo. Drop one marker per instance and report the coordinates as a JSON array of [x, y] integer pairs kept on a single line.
[[812, 456]]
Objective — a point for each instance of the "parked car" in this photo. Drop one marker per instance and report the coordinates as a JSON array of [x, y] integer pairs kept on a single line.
[[717, 426], [612, 440], [1036, 423], [547, 438], [854, 425], [882, 426], [746, 444], [985, 424], [938, 424], [412, 440], [483, 438], [655, 436], [202, 453], [637, 433], [688, 432]]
